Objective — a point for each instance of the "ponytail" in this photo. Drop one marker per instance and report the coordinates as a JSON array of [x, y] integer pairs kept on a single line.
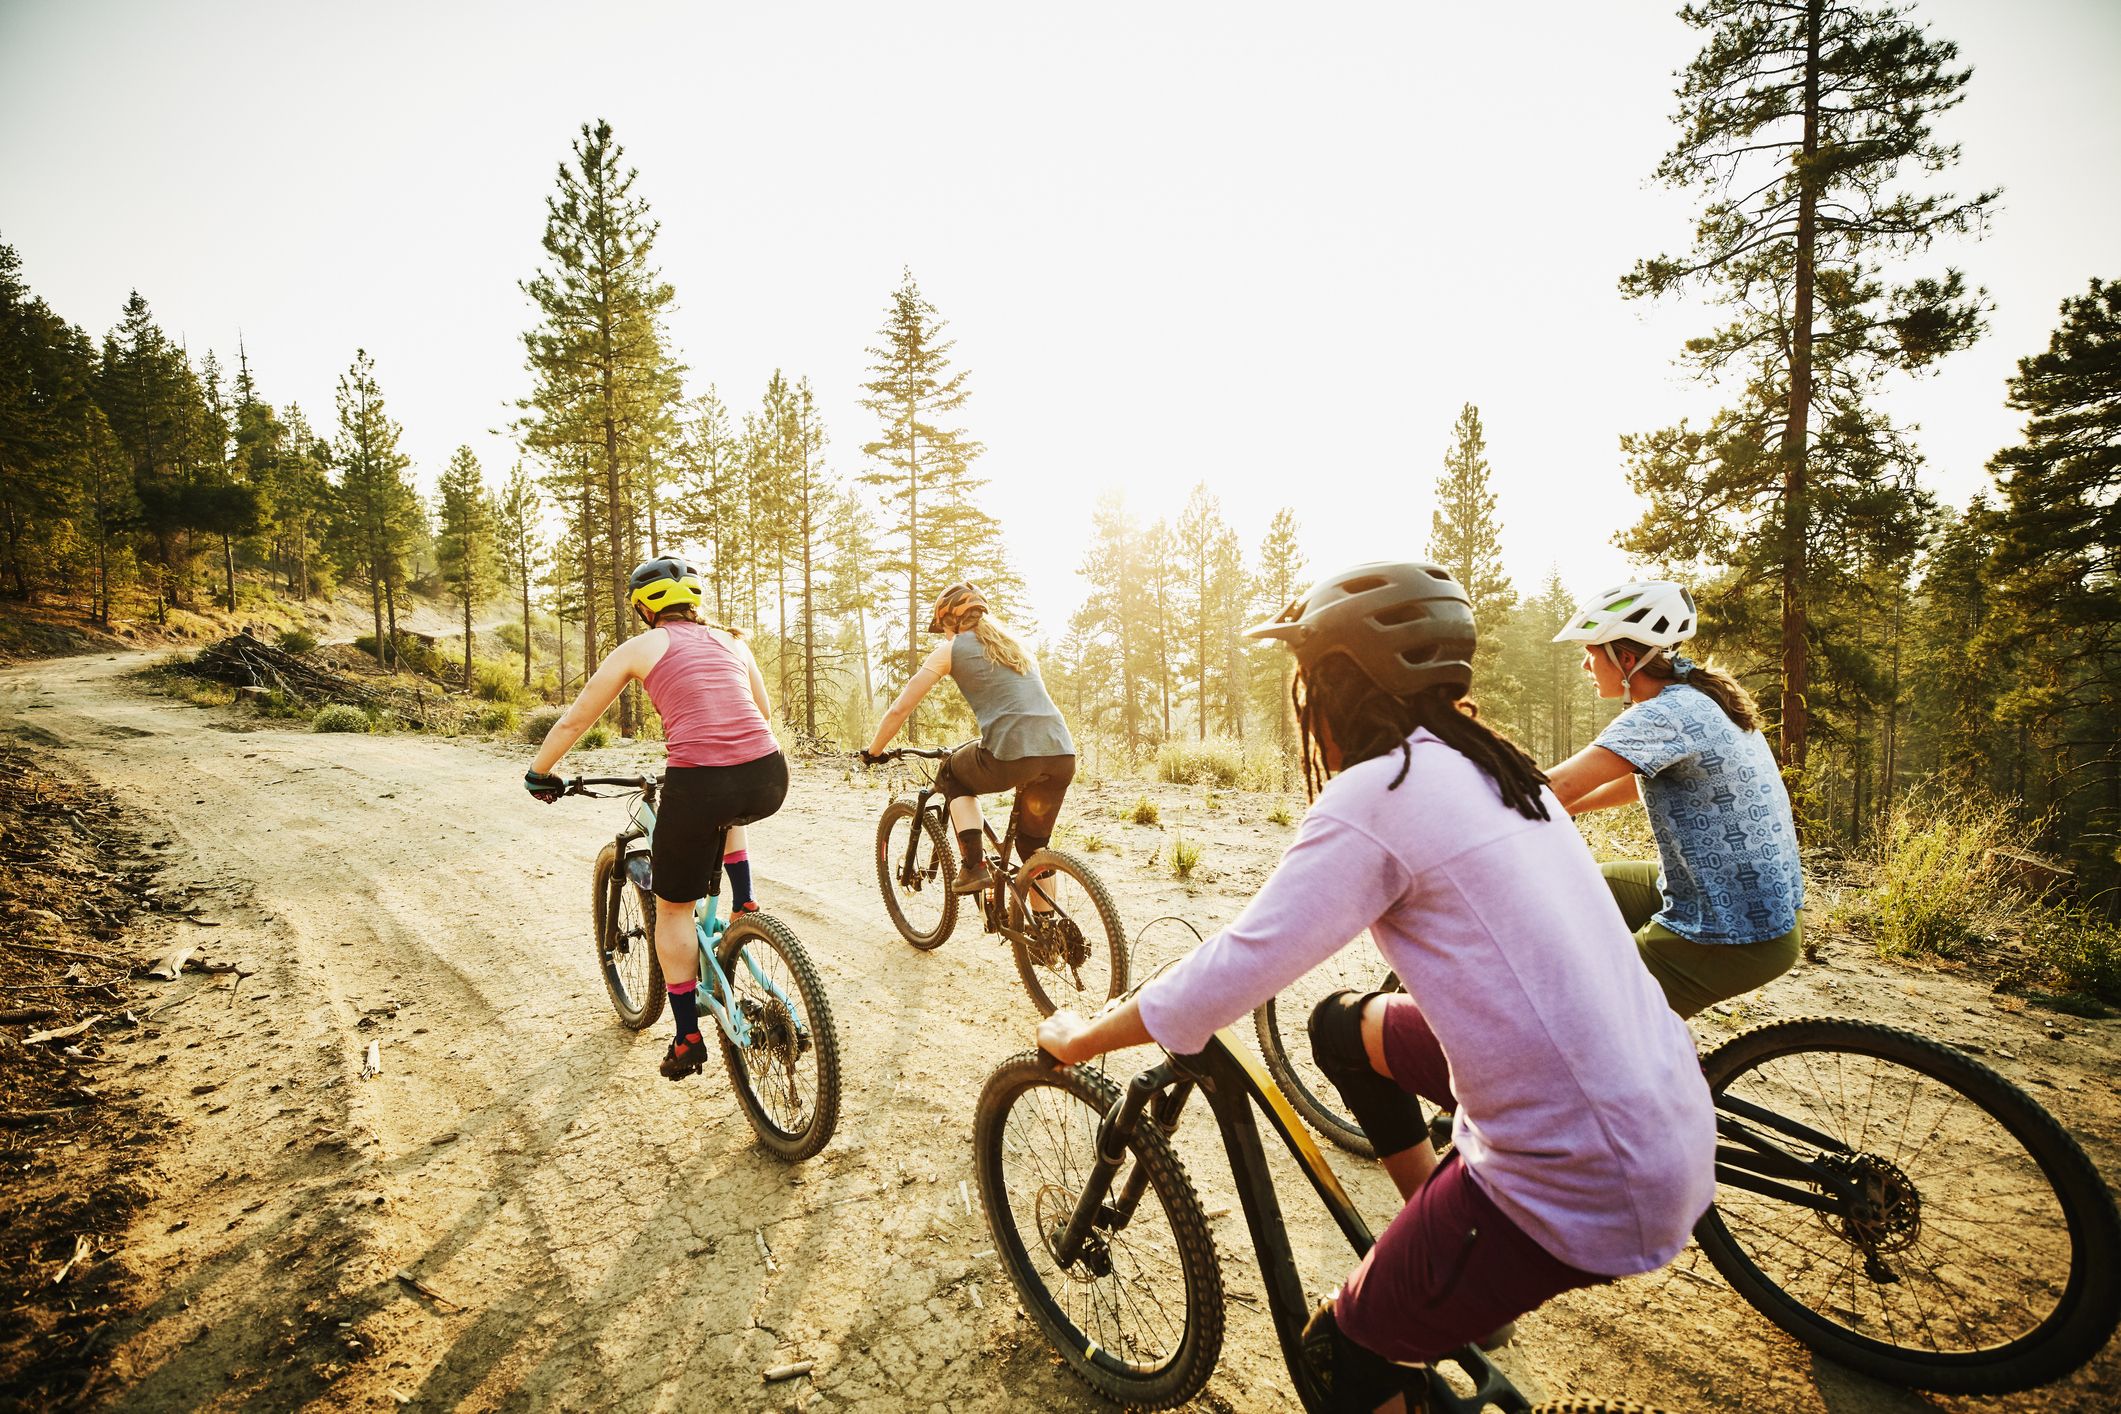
[[1000, 645], [1336, 698], [1709, 680]]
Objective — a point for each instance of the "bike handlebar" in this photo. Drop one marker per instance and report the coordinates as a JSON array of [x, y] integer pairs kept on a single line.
[[579, 785]]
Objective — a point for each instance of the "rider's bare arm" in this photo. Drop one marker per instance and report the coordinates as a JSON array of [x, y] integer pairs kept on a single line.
[[630, 660], [1594, 779], [1069, 1038], [932, 671]]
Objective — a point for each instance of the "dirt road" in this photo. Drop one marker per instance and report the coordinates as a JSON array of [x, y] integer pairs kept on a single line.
[[599, 1238]]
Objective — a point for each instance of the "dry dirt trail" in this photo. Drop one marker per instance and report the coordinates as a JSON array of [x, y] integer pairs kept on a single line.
[[593, 1232]]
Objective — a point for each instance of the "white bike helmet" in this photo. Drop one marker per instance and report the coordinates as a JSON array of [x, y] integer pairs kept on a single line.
[[1657, 613]]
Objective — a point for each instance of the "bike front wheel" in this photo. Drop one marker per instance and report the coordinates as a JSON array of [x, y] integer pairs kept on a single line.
[[623, 928], [1138, 1316], [1980, 1254], [787, 1075], [1069, 947], [1283, 1024], [920, 902]]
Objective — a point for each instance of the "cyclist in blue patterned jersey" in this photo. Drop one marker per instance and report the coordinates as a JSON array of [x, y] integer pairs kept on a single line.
[[1716, 914]]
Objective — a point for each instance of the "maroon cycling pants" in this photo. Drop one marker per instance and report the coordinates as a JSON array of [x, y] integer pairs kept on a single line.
[[1451, 1268]]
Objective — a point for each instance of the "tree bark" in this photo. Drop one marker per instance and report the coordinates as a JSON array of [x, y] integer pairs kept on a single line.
[[1796, 709]]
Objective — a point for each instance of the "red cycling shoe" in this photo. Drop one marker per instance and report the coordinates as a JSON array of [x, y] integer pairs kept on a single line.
[[685, 1057]]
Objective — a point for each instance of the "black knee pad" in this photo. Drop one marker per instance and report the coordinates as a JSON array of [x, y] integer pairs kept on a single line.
[[1389, 1116], [1351, 1378]]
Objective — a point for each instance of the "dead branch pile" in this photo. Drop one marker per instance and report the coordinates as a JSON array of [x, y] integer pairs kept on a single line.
[[244, 661]]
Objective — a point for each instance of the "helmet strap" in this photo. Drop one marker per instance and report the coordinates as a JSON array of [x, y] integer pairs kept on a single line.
[[1627, 674]]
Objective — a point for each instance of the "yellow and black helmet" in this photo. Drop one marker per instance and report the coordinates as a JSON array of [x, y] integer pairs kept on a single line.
[[664, 583]]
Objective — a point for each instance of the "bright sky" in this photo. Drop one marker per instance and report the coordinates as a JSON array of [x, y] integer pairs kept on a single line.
[[1269, 247]]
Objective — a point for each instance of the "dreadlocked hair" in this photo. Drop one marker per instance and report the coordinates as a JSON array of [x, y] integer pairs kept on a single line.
[[1709, 680], [1335, 698]]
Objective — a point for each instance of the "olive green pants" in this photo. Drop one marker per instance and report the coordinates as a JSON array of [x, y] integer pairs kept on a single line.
[[1694, 976]]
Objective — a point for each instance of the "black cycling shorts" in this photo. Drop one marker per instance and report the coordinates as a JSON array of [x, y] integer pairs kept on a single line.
[[697, 807], [1040, 783]]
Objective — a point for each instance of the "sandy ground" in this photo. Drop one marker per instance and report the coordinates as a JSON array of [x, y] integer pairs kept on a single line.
[[597, 1237]]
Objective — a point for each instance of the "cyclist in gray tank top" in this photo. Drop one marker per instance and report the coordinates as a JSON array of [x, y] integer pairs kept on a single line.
[[1023, 743]]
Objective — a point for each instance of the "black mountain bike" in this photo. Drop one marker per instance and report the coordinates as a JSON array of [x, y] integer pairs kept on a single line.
[[758, 990], [1056, 913], [1889, 1201], [1101, 1231]]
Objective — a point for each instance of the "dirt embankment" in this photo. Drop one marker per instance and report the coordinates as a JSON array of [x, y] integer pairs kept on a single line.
[[517, 1212]]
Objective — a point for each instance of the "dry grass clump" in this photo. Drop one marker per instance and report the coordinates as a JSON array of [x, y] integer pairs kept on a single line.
[[1228, 764], [1936, 884]]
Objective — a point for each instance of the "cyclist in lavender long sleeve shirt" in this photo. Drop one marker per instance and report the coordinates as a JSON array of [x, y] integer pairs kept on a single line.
[[1585, 1136]]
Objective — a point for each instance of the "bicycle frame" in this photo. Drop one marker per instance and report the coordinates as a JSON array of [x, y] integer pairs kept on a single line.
[[1235, 1083], [708, 928], [992, 908]]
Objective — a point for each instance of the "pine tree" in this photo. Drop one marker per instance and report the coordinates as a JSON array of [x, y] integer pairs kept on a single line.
[[49, 425], [148, 393], [1118, 617], [1200, 540], [1798, 121], [522, 551], [375, 504], [1464, 535], [914, 392], [708, 475], [467, 552], [602, 380], [302, 504], [1279, 580]]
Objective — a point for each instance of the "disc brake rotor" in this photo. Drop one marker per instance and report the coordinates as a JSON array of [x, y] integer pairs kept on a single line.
[[1887, 1213]]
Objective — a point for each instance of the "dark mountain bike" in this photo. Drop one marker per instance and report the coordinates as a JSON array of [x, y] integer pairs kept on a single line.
[[1891, 1202], [757, 983], [1056, 913], [1104, 1236]]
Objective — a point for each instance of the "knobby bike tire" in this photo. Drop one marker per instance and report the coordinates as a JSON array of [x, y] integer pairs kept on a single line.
[[610, 888], [1313, 1098], [1592, 1406], [1046, 987], [2080, 1321], [891, 853], [1323, 1117], [1181, 1376], [762, 932]]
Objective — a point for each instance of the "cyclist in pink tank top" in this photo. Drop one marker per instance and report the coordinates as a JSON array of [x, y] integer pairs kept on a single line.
[[725, 769]]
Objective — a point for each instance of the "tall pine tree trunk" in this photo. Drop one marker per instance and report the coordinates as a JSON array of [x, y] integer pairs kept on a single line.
[[809, 615], [228, 560], [1796, 720], [526, 617], [589, 582]]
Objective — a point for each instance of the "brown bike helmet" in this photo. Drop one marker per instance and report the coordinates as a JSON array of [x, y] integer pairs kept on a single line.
[[954, 601], [1407, 625]]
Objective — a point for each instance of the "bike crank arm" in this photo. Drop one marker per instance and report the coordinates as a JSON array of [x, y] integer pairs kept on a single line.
[[1113, 1133]]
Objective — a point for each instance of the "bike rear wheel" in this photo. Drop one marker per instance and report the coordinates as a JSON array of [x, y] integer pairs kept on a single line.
[[1285, 1044], [1139, 1315], [788, 1077], [1983, 1254], [623, 928], [1075, 953], [923, 909]]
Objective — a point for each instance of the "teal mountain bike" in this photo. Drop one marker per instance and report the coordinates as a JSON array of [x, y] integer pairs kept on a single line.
[[756, 981]]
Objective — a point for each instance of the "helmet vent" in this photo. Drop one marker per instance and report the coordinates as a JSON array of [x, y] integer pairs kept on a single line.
[[1661, 625], [1637, 616], [1435, 573], [1363, 584], [1405, 613], [1426, 653]]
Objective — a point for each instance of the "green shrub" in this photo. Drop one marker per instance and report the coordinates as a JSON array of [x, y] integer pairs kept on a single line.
[[1935, 882], [2081, 948], [500, 717], [511, 636], [538, 723], [497, 682], [1145, 812], [295, 640], [1279, 815], [415, 654], [1185, 858], [1228, 764], [597, 737], [339, 717]]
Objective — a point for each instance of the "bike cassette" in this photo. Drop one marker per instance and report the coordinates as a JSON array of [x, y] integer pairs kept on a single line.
[[1885, 1216]]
